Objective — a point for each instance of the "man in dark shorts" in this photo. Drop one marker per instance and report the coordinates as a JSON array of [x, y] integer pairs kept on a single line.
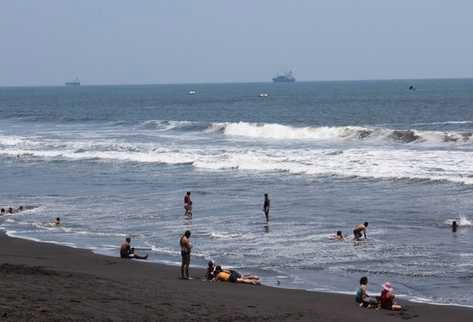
[[186, 247], [266, 206]]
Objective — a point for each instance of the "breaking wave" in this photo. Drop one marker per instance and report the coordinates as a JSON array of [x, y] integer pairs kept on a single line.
[[327, 133]]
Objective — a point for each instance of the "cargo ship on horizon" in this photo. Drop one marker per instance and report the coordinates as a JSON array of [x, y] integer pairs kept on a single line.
[[287, 77]]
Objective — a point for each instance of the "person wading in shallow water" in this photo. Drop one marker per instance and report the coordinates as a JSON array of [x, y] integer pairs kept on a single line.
[[188, 204], [186, 247], [266, 206]]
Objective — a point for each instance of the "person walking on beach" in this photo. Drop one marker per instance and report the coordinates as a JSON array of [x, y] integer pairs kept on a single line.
[[188, 204], [359, 230], [266, 206], [186, 247]]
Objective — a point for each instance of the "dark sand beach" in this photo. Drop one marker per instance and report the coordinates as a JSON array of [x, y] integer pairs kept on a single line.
[[47, 282]]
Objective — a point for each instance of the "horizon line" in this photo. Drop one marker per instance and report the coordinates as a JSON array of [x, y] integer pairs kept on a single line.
[[239, 82]]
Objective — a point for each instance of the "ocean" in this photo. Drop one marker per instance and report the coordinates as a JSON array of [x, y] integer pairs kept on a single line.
[[116, 161]]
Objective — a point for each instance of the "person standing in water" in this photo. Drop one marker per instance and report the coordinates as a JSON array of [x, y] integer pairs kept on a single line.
[[359, 231], [266, 206], [188, 204], [186, 247]]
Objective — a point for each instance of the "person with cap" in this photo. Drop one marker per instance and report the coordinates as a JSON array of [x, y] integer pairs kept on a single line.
[[387, 298]]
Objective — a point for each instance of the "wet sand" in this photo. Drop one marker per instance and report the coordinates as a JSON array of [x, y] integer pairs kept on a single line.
[[46, 282]]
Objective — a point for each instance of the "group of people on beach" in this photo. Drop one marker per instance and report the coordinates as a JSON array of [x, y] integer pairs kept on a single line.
[[386, 300]]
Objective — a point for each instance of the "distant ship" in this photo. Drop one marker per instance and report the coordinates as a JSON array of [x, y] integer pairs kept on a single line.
[[75, 82], [285, 78]]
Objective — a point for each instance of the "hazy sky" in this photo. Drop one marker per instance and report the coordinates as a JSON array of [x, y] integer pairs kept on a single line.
[[46, 42]]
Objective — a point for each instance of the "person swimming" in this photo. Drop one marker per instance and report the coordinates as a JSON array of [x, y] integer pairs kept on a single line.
[[360, 230], [338, 236], [2, 212]]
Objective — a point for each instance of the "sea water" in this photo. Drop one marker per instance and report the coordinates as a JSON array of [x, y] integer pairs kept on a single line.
[[116, 161]]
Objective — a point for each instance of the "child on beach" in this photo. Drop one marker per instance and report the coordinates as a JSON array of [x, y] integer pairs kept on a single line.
[[210, 275], [387, 298], [362, 297]]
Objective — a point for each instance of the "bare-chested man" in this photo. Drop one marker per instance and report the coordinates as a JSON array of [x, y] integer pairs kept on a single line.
[[126, 251], [360, 230], [186, 247]]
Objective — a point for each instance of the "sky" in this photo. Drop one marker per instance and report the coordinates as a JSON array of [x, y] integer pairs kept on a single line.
[[48, 42]]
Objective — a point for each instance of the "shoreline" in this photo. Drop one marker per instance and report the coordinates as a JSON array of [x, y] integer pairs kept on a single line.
[[45, 281], [401, 297]]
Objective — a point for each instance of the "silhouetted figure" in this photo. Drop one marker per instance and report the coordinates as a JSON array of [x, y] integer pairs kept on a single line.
[[266, 206], [454, 226]]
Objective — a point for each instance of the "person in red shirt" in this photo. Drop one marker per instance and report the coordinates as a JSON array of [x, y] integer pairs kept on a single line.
[[188, 204], [387, 298]]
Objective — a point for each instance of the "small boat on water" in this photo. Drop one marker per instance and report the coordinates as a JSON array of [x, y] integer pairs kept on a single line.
[[192, 92], [263, 95], [75, 82]]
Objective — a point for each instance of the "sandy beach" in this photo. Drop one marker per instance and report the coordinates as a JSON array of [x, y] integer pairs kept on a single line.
[[47, 282]]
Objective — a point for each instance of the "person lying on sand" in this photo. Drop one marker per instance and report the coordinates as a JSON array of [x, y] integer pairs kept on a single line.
[[359, 230], [126, 251], [235, 277], [362, 297], [387, 298], [338, 236]]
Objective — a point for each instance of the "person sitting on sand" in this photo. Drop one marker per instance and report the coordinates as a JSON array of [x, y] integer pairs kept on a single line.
[[235, 277], [188, 204], [362, 297], [337, 236], [359, 230], [210, 275], [387, 298], [126, 251]]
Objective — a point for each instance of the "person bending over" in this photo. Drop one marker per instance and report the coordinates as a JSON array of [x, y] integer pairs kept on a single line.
[[235, 277], [360, 230], [126, 251]]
